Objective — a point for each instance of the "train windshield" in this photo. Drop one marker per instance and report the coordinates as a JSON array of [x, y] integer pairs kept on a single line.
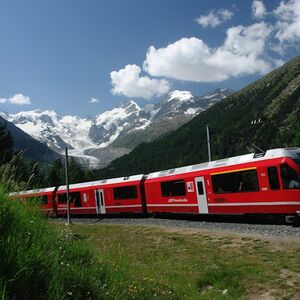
[[297, 160], [290, 178]]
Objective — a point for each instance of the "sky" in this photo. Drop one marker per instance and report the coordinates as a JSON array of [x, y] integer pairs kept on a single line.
[[82, 57]]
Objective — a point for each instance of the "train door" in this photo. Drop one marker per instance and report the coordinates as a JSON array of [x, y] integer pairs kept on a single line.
[[100, 204], [201, 195]]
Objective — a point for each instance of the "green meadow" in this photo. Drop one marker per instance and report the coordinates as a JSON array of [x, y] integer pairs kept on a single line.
[[44, 260], [197, 264]]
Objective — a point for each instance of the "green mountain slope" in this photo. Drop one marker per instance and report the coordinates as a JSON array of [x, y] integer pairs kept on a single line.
[[274, 99]]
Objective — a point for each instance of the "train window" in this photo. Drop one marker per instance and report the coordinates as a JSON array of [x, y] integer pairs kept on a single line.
[[84, 197], [297, 160], [200, 188], [125, 192], [62, 198], [235, 182], [273, 178], [74, 198], [290, 178], [173, 188], [44, 199]]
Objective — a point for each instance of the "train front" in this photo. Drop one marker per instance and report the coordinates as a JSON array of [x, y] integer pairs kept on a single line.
[[290, 174], [290, 170]]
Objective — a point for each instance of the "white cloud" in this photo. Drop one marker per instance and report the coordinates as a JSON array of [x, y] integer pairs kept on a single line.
[[18, 99], [225, 14], [208, 20], [214, 18], [94, 100], [192, 60], [247, 40], [258, 9], [288, 25], [128, 82], [278, 62]]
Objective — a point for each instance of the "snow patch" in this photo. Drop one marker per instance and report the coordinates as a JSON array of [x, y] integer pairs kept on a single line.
[[89, 160], [180, 95], [112, 138], [112, 117], [46, 125], [210, 96], [191, 111]]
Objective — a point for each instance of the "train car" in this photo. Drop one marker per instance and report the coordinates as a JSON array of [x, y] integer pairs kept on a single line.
[[266, 183], [46, 198], [109, 196]]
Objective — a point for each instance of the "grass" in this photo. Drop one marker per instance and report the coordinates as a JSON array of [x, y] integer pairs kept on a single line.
[[42, 261], [195, 264], [39, 261]]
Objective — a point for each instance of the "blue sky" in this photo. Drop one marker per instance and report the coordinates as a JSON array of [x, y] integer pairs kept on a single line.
[[64, 54]]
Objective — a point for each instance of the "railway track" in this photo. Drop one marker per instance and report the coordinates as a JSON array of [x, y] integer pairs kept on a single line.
[[241, 225]]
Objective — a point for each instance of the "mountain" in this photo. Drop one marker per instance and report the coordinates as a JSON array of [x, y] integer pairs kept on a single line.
[[265, 113], [100, 139], [154, 120], [176, 109], [31, 148]]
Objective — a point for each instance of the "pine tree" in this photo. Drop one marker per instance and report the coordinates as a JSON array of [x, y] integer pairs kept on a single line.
[[76, 173], [56, 173], [6, 145]]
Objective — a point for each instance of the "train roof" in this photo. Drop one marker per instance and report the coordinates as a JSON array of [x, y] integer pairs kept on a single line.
[[102, 182], [251, 157], [32, 192], [81, 185]]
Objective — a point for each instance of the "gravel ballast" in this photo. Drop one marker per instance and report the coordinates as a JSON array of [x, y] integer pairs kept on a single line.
[[267, 230]]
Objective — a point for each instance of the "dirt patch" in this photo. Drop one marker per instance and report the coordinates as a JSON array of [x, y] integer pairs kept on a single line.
[[277, 243]]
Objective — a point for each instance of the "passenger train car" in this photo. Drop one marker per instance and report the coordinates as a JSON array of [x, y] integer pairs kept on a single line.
[[267, 183]]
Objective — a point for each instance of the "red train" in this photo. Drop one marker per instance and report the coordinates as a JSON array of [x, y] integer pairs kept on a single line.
[[266, 183]]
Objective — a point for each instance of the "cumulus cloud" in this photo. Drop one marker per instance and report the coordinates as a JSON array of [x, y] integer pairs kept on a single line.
[[214, 18], [248, 41], [18, 99], [191, 59], [129, 83], [258, 9], [288, 24], [208, 20], [94, 100]]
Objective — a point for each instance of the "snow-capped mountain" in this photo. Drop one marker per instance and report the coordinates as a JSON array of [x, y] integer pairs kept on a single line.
[[106, 135], [30, 147], [107, 126], [179, 103]]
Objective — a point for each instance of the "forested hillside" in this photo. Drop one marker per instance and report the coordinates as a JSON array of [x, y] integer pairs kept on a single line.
[[234, 125]]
